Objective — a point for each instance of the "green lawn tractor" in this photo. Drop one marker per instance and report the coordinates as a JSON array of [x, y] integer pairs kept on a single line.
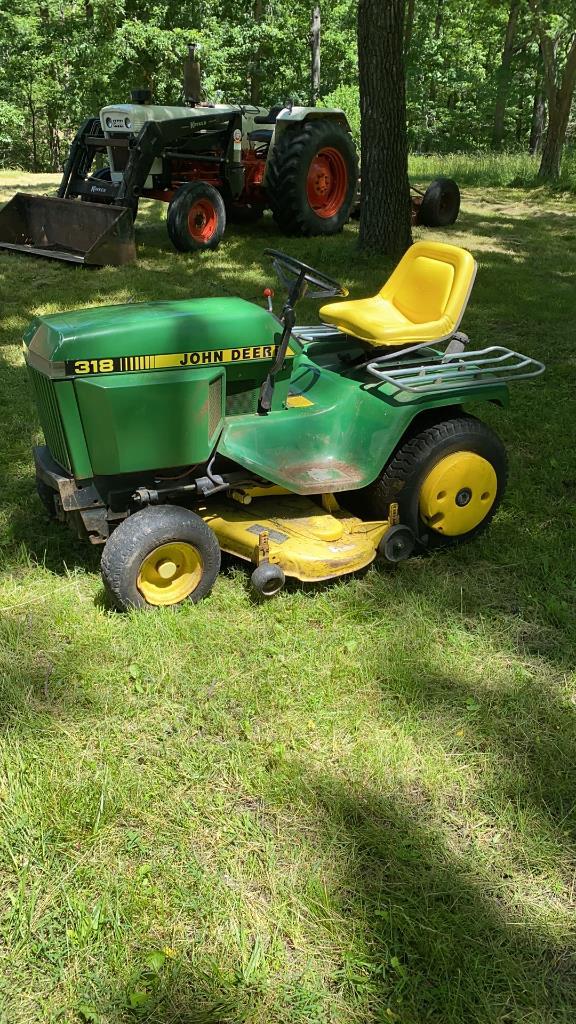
[[177, 430]]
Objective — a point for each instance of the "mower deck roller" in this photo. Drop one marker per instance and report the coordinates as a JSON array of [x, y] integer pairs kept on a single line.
[[89, 234]]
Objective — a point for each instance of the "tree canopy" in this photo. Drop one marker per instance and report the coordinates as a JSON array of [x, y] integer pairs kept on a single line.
[[479, 72]]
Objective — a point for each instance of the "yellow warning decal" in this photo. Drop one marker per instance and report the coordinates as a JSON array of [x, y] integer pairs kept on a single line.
[[173, 360]]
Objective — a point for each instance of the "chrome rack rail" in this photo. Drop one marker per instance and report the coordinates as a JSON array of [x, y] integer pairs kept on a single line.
[[453, 371]]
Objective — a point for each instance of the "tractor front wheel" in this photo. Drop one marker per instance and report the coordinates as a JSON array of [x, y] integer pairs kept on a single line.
[[196, 217], [448, 481], [160, 556], [312, 178]]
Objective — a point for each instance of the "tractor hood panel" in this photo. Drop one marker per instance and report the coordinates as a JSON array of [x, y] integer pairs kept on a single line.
[[206, 327]]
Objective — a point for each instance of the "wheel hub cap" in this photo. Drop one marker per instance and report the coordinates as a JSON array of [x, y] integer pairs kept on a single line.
[[170, 573], [202, 220], [458, 493], [327, 182]]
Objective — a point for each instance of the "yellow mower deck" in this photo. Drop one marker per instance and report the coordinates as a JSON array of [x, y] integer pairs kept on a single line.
[[309, 542]]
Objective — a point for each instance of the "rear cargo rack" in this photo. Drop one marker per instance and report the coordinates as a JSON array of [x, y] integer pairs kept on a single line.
[[442, 372]]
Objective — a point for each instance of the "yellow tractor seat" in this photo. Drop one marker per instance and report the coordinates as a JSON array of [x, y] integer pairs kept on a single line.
[[423, 300]]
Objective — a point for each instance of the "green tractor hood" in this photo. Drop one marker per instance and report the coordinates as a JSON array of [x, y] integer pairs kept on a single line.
[[151, 335]]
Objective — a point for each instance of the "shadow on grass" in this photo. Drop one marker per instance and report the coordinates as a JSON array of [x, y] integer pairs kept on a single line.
[[418, 932]]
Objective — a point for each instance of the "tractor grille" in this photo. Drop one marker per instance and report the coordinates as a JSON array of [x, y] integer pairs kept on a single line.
[[49, 415], [214, 405], [119, 156], [242, 401]]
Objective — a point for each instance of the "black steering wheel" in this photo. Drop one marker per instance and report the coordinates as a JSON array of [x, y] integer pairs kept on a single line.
[[296, 276]]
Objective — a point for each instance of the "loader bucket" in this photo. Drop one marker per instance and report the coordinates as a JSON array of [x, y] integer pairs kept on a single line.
[[89, 234]]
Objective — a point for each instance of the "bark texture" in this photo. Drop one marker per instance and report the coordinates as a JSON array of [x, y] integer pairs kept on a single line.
[[504, 73], [385, 211], [315, 56], [559, 86]]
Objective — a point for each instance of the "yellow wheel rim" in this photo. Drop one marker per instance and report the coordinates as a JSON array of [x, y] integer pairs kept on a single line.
[[170, 573], [458, 493]]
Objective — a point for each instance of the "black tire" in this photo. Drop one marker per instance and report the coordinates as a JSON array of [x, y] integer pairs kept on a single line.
[[287, 177], [137, 537], [440, 205], [402, 479], [196, 217], [47, 497], [267, 580]]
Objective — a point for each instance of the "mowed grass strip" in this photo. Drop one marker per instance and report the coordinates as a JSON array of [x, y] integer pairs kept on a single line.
[[354, 803]]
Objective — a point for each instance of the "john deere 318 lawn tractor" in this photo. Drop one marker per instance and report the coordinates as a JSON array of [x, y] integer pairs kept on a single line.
[[177, 430]]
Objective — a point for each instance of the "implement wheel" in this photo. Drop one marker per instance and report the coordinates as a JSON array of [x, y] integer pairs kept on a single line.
[[312, 178], [448, 482], [196, 217], [440, 205], [162, 555]]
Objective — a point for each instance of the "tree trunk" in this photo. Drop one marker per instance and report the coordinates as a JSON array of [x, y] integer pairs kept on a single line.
[[504, 74], [438, 25], [315, 52], [256, 71], [409, 27], [559, 85], [385, 210], [32, 110], [538, 114], [551, 161]]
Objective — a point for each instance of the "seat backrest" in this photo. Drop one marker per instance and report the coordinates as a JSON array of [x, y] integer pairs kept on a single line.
[[432, 281]]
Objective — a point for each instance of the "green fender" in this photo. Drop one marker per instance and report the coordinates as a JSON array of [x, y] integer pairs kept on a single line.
[[339, 436]]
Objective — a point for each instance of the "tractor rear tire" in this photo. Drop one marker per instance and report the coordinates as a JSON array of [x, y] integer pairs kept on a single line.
[[440, 205], [196, 217], [437, 477], [312, 178], [159, 557]]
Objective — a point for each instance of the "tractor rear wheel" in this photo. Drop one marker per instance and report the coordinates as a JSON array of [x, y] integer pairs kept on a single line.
[[160, 556], [440, 205], [196, 217], [312, 178], [448, 481]]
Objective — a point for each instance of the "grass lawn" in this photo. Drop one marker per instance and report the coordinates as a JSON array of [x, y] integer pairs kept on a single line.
[[353, 804]]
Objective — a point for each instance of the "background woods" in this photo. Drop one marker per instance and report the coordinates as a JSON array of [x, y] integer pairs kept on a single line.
[[481, 74]]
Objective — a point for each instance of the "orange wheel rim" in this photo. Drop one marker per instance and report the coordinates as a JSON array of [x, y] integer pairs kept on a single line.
[[202, 220], [327, 182]]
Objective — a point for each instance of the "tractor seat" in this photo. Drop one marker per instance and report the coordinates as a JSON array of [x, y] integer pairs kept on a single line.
[[422, 301], [260, 135], [270, 117]]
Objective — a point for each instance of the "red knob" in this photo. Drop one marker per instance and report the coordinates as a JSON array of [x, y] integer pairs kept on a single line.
[[268, 293]]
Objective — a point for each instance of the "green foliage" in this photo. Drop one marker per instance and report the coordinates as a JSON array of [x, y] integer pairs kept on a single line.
[[65, 59], [346, 97]]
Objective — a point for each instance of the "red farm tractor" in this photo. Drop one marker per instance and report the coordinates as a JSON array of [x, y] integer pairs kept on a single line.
[[210, 163]]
